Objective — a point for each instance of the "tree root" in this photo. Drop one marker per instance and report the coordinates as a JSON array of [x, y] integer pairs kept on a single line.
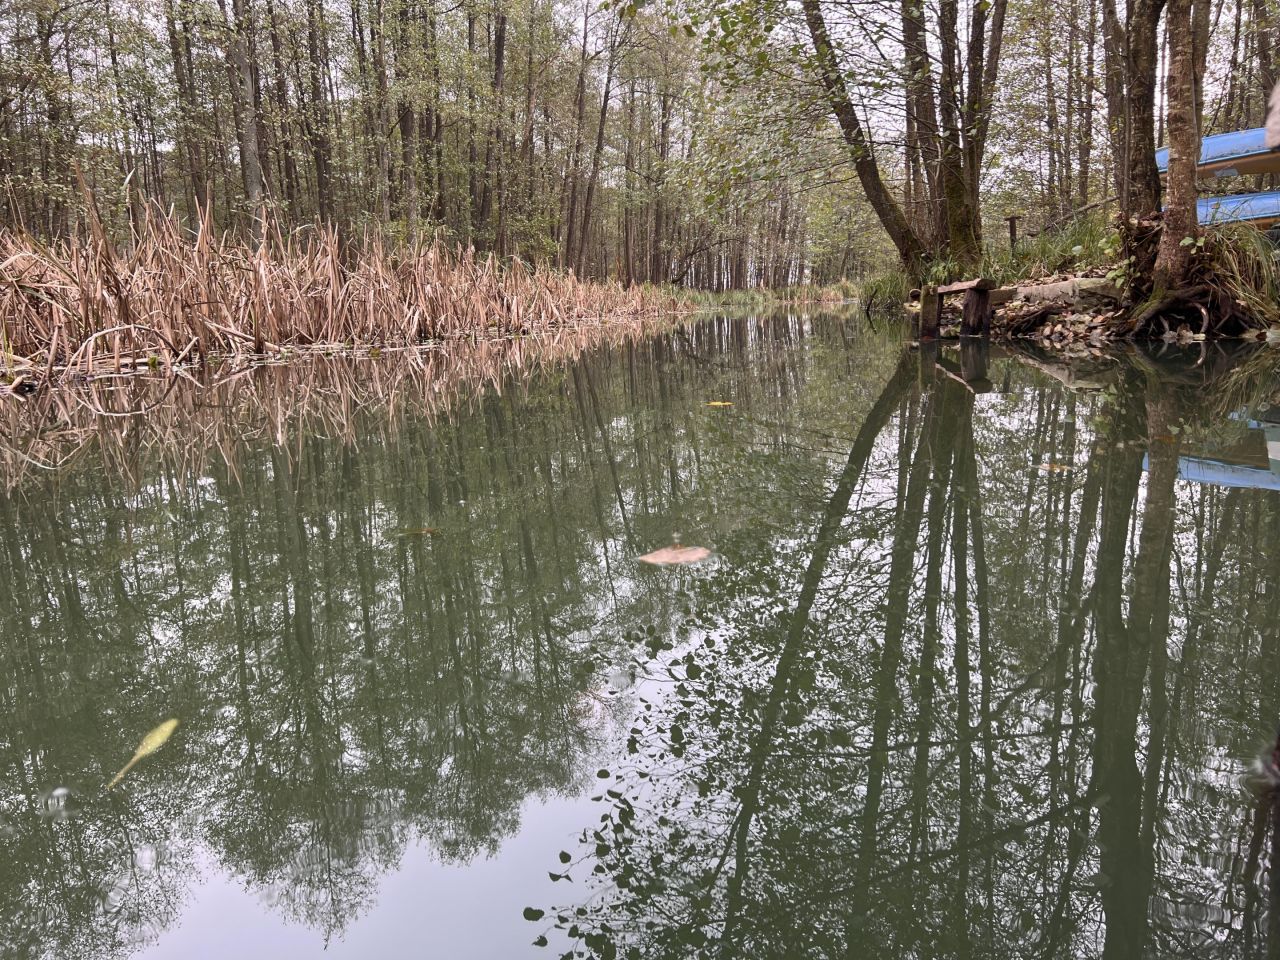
[[1161, 306]]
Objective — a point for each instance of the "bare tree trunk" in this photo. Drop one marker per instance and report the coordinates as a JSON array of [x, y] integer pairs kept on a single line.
[[381, 132], [1113, 59], [1200, 47], [240, 75], [616, 41], [922, 122], [493, 145], [1085, 125], [1052, 147], [316, 114], [628, 189], [910, 250], [1264, 51], [187, 135], [55, 146], [280, 96], [964, 243], [1177, 239], [983, 69], [571, 166], [660, 258], [471, 205], [1140, 74]]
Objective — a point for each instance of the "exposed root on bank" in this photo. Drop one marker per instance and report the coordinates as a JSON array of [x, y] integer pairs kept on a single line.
[[1229, 291], [1232, 290]]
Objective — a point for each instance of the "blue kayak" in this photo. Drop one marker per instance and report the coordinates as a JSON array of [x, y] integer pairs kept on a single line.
[[1260, 209], [1232, 154]]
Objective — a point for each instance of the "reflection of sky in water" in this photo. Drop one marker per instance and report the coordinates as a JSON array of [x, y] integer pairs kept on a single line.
[[415, 760], [424, 908]]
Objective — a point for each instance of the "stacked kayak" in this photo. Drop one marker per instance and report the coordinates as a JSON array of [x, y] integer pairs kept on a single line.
[[1260, 209], [1236, 154]]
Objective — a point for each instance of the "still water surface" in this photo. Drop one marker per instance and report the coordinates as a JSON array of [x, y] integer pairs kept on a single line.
[[970, 674]]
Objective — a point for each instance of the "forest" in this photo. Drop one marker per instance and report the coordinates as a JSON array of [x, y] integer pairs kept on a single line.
[[716, 144]]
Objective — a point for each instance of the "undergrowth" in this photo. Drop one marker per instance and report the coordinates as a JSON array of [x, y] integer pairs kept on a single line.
[[1242, 262], [840, 292]]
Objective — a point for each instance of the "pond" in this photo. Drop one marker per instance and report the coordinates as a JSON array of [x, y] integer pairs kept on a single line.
[[981, 663]]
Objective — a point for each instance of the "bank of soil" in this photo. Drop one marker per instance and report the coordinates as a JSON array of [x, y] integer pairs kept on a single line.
[[1080, 308]]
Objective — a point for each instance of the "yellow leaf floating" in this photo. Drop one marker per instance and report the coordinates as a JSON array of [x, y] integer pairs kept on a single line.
[[675, 554], [152, 742], [719, 403]]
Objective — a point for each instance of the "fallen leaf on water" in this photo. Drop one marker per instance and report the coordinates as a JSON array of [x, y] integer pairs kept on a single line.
[[676, 554], [152, 742], [719, 403], [1056, 467]]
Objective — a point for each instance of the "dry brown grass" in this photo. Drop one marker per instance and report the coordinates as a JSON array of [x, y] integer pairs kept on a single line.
[[84, 306]]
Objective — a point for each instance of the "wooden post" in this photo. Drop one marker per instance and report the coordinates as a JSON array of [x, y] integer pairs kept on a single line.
[[1013, 232], [930, 313], [976, 320], [928, 362]]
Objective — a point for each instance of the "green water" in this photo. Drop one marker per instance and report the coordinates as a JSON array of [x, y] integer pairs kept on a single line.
[[968, 675]]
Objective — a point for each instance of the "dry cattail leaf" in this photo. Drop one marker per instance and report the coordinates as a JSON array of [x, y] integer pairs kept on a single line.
[[152, 742], [116, 310], [675, 554]]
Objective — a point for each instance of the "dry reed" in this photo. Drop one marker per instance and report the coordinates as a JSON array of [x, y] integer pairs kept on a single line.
[[82, 305], [121, 424]]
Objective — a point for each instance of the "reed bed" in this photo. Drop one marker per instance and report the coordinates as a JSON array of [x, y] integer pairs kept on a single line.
[[82, 305], [123, 424]]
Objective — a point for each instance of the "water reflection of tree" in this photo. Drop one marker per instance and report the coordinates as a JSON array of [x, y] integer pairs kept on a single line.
[[402, 635], [1001, 713]]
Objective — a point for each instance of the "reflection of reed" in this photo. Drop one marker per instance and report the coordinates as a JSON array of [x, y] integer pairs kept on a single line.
[[82, 305], [221, 406]]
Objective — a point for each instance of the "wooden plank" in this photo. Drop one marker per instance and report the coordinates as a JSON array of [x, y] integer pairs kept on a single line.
[[964, 286], [930, 313]]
